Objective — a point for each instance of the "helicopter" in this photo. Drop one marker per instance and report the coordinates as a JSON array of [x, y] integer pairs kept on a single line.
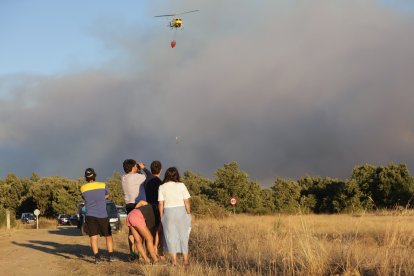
[[175, 23]]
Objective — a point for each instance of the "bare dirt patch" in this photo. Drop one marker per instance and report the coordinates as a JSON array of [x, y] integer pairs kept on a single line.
[[60, 251]]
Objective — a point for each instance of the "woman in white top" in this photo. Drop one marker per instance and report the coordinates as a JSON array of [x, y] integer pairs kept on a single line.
[[174, 207]]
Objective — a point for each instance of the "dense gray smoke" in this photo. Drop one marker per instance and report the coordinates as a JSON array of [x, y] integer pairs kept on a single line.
[[311, 88]]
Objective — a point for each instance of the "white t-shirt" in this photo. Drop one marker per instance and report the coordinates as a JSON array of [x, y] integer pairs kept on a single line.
[[173, 194], [133, 189]]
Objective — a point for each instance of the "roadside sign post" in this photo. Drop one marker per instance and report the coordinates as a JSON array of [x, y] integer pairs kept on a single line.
[[233, 202], [37, 213]]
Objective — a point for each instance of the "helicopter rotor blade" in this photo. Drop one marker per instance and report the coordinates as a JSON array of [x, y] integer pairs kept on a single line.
[[165, 15], [187, 12]]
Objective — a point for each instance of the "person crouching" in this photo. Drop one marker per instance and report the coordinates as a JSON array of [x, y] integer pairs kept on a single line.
[[143, 222]]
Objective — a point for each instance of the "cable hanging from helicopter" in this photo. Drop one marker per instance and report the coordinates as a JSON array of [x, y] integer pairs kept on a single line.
[[175, 23]]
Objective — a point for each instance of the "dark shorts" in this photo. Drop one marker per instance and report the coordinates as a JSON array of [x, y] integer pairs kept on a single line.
[[151, 215], [129, 207], [98, 226]]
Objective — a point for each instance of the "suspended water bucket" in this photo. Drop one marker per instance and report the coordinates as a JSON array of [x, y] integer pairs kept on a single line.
[[173, 43]]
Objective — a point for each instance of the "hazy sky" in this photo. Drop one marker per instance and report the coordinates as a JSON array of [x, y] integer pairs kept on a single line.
[[285, 88]]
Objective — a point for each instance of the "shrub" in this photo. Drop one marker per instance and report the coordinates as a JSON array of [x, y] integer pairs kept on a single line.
[[202, 206]]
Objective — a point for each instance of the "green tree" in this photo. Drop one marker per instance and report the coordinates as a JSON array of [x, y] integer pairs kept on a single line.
[[13, 190], [323, 195], [54, 195], [311, 193], [35, 177], [396, 186], [195, 183], [203, 207], [230, 181], [268, 201], [41, 192], [66, 196], [286, 195], [366, 177], [352, 199], [27, 203], [332, 200], [308, 203], [114, 184], [385, 186], [255, 200]]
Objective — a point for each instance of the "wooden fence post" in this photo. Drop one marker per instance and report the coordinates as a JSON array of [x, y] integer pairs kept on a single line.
[[8, 219]]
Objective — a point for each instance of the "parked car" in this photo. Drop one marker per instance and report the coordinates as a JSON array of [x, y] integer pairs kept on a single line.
[[73, 220], [114, 219], [28, 218], [122, 211], [63, 219]]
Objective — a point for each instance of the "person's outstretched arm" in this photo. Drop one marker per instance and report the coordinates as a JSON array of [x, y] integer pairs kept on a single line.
[[142, 167]]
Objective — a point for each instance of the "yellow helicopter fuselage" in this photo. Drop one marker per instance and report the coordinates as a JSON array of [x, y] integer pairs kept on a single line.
[[176, 23]]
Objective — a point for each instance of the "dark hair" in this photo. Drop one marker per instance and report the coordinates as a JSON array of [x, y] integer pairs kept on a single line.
[[156, 167], [90, 174], [171, 174], [128, 165]]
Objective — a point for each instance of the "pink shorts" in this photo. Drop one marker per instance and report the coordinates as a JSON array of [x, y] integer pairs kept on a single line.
[[135, 219]]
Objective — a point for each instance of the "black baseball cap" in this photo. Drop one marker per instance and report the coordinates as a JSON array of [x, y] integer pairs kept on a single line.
[[89, 172]]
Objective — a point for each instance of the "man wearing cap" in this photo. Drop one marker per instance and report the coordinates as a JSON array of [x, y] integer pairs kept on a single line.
[[96, 222]]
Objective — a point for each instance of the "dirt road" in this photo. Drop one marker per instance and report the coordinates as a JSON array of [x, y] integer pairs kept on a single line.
[[60, 251]]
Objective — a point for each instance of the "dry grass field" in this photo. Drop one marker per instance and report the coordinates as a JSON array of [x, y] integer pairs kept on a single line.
[[380, 244], [367, 244]]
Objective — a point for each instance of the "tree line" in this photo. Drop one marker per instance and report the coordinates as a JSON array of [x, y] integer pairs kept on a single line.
[[369, 187]]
